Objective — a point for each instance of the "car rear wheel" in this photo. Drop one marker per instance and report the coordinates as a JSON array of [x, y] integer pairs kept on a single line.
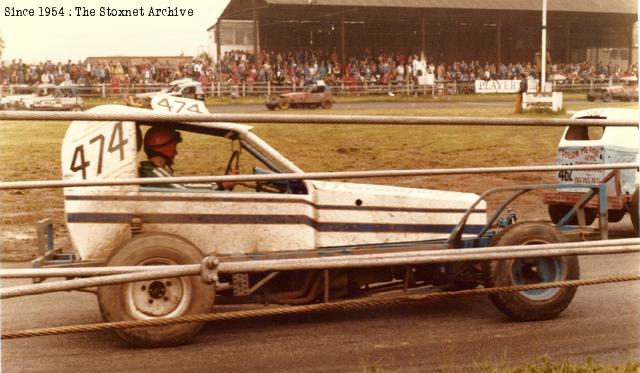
[[606, 97], [557, 212], [539, 304], [615, 216], [326, 103], [155, 299], [591, 97], [283, 105]]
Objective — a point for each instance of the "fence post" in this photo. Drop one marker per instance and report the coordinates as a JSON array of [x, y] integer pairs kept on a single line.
[[212, 89], [104, 90], [268, 87], [243, 88], [219, 89]]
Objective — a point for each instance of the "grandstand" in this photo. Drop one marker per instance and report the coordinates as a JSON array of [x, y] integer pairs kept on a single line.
[[498, 31]]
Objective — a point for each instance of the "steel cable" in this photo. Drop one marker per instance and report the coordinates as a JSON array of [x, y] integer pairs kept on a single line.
[[142, 115], [5, 185], [352, 304]]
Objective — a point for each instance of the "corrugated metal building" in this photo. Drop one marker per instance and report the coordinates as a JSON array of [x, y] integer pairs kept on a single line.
[[447, 30]]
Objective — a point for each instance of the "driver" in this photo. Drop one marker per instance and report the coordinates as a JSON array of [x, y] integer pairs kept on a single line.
[[160, 145]]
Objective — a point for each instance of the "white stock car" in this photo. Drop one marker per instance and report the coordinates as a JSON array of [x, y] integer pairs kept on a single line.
[[146, 225], [52, 97], [185, 87], [598, 145], [11, 101]]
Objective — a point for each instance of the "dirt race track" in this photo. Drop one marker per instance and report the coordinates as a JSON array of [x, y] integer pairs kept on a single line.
[[602, 323]]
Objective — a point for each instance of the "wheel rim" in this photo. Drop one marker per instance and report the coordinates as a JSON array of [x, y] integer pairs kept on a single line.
[[166, 297], [535, 271]]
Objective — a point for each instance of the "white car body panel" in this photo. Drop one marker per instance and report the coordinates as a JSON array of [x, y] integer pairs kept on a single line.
[[222, 222], [358, 214], [617, 145]]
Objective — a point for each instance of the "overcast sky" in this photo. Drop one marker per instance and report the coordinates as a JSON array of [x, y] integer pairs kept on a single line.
[[58, 38]]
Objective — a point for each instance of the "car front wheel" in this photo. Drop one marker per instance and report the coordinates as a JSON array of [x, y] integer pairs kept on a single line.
[[539, 304], [557, 212]]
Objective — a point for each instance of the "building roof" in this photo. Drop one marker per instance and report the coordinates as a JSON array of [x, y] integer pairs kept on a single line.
[[594, 6]]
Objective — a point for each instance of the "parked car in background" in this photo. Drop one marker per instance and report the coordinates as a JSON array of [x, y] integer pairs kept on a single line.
[[10, 101], [627, 91], [314, 95], [51, 97]]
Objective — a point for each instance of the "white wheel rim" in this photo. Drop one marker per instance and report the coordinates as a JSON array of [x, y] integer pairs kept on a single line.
[[168, 297]]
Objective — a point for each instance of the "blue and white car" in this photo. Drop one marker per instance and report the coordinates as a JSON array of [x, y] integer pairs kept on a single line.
[[298, 219]]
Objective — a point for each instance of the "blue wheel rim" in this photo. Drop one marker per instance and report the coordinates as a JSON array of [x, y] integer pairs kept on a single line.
[[537, 270]]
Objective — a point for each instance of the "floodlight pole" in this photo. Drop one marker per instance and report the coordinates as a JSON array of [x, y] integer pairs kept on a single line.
[[543, 67]]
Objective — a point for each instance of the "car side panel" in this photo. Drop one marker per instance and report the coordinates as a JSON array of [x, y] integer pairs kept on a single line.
[[354, 214], [95, 151], [214, 221]]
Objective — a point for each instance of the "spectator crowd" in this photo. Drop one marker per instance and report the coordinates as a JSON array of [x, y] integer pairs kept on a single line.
[[296, 67]]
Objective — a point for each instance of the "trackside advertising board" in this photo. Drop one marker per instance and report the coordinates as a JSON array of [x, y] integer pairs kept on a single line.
[[503, 86]]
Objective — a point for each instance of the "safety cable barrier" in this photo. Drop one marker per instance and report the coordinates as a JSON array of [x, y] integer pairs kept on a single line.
[[352, 304], [138, 115], [307, 176], [426, 256]]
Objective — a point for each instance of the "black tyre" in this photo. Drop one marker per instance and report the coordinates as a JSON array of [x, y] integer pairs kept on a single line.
[[271, 102], [557, 212], [606, 97], [326, 103], [531, 304], [169, 297], [616, 215], [635, 207], [591, 97]]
